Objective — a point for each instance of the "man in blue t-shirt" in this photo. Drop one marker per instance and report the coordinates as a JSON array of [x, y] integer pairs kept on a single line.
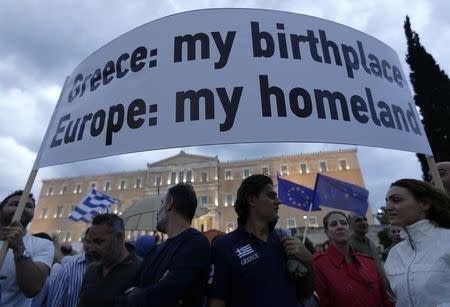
[[249, 264]]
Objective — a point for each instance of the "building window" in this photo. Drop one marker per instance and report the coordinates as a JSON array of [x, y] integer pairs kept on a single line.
[[68, 237], [343, 165], [44, 213], [323, 166], [173, 178], [204, 177], [117, 208], [138, 183], [123, 185], [70, 211], [158, 180], [228, 200], [265, 171], [50, 191], [304, 168], [204, 200], [284, 170], [290, 222], [107, 186], [181, 176], [230, 227], [59, 212], [228, 175], [77, 189], [189, 176], [63, 190], [313, 221], [245, 173]]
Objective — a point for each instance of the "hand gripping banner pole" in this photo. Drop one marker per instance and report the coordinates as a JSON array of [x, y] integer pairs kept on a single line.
[[435, 173]]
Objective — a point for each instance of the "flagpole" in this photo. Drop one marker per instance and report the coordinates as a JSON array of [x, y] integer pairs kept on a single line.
[[310, 209], [30, 181], [307, 222]]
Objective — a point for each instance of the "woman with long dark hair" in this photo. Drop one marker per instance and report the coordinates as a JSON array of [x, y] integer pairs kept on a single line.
[[418, 268], [345, 277]]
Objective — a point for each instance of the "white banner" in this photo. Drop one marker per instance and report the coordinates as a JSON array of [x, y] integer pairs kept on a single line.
[[230, 76]]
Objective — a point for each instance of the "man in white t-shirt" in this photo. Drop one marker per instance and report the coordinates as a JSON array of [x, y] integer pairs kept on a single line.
[[29, 258]]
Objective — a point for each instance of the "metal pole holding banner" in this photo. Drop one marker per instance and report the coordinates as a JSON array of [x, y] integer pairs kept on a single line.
[[435, 173], [26, 192]]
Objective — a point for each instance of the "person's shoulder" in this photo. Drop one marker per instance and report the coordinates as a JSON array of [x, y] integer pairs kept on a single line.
[[319, 257], [366, 259], [193, 235], [35, 244], [228, 240], [36, 241], [363, 256]]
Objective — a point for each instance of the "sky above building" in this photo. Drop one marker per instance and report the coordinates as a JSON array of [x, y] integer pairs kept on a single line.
[[41, 42]]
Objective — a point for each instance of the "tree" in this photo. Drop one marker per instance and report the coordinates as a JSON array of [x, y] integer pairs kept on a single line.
[[432, 96]]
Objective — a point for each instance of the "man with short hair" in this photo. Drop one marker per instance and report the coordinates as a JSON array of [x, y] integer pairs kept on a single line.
[[444, 173], [116, 269], [362, 244], [64, 287], [249, 265], [175, 272], [28, 260], [359, 241]]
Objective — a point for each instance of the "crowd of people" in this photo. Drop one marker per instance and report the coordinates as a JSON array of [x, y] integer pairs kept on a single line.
[[254, 265]]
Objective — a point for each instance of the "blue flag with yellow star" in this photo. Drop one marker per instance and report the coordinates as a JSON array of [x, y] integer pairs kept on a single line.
[[295, 195], [337, 194]]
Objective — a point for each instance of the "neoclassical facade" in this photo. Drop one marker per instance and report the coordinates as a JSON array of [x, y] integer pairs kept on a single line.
[[215, 183]]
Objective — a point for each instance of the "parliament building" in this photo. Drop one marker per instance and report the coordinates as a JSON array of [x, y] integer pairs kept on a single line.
[[215, 183]]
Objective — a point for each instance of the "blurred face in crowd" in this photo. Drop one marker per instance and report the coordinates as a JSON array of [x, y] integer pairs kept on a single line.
[[394, 233], [10, 207], [162, 217], [103, 245], [403, 208], [359, 224], [265, 206], [338, 230], [444, 173]]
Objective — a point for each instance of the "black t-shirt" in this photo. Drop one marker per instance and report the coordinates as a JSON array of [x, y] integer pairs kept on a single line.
[[247, 271], [97, 290], [175, 272]]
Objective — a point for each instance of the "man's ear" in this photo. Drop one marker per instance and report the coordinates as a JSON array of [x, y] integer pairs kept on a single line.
[[169, 203], [120, 235], [251, 200]]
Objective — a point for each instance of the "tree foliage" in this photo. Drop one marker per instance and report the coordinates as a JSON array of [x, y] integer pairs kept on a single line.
[[432, 95]]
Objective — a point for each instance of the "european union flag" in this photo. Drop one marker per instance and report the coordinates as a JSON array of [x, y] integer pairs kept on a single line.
[[295, 195], [337, 194]]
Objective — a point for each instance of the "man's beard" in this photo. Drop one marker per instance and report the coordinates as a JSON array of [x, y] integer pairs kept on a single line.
[[161, 225], [111, 256], [6, 220]]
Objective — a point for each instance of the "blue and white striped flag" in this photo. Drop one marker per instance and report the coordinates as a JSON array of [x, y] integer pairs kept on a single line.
[[92, 204]]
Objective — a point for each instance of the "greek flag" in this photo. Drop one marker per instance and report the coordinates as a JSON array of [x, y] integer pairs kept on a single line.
[[92, 204], [244, 251]]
